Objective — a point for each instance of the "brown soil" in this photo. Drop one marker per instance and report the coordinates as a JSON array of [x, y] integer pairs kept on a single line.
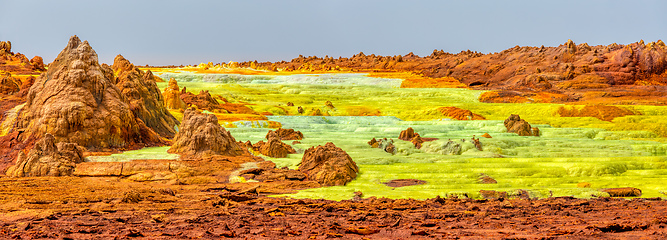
[[107, 208]]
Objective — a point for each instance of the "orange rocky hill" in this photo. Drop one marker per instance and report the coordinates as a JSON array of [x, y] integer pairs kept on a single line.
[[612, 74]]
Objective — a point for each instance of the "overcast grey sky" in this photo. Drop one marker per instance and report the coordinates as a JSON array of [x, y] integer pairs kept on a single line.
[[189, 32]]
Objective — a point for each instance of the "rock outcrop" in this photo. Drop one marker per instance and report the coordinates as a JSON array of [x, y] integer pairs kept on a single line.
[[5, 47], [77, 101], [460, 114], [8, 84], [417, 141], [144, 98], [47, 158], [328, 165], [407, 134], [203, 101], [17, 63], [286, 134], [201, 136], [274, 147], [172, 96], [515, 124], [37, 63]]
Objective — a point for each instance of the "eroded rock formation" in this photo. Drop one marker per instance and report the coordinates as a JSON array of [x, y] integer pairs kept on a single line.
[[47, 158], [201, 136], [286, 134], [274, 147], [515, 124], [77, 102], [407, 134], [17, 63], [144, 98], [203, 100], [172, 96], [8, 84], [417, 141], [328, 165]]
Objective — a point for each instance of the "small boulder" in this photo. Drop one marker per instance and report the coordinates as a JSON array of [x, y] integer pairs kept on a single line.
[[485, 179], [329, 104], [417, 141], [623, 192], [515, 124], [374, 143], [407, 134], [328, 165]]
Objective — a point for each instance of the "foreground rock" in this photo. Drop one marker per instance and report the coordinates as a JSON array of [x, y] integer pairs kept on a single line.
[[77, 102], [144, 98], [125, 210], [515, 124], [328, 165], [201, 136], [47, 159]]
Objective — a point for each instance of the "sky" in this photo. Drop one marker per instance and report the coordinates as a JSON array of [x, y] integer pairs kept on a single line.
[[189, 32]]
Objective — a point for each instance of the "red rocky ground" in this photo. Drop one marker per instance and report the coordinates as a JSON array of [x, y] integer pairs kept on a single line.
[[109, 208]]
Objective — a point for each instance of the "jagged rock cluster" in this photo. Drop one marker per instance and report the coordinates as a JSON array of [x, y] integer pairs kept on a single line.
[[77, 101], [329, 165], [47, 158], [18, 63], [515, 124], [144, 98], [201, 136]]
